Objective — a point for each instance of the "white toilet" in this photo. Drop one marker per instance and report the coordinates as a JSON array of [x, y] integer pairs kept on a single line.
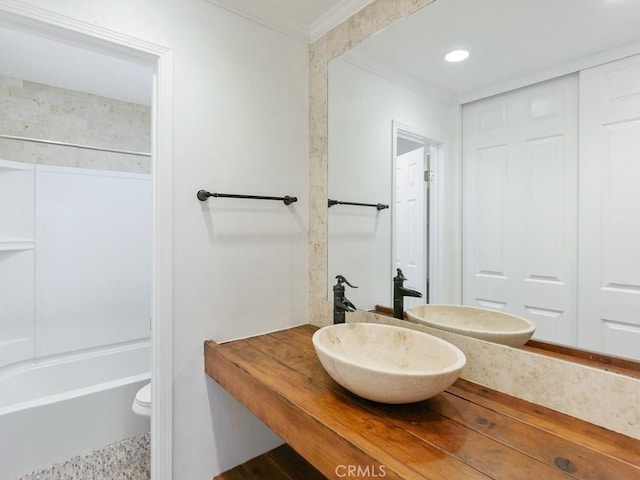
[[142, 403]]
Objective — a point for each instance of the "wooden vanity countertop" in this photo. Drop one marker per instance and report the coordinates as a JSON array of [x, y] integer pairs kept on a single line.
[[468, 432]]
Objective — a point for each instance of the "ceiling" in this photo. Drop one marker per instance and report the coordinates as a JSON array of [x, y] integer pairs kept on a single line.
[[65, 65], [525, 37], [510, 43]]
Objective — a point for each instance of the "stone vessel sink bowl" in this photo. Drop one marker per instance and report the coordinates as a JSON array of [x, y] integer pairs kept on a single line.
[[481, 323], [386, 363]]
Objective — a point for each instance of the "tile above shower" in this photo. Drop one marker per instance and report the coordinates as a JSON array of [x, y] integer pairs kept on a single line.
[[39, 111]]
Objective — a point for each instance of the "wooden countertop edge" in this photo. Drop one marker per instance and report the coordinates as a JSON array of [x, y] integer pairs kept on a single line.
[[281, 414], [343, 437], [273, 411]]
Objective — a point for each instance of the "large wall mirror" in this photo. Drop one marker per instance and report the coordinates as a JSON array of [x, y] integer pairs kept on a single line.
[[511, 176]]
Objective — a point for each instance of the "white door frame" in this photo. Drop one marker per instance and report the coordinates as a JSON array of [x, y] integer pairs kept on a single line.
[[436, 230], [34, 19]]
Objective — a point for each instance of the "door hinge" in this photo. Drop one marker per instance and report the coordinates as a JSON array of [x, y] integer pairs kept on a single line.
[[428, 175]]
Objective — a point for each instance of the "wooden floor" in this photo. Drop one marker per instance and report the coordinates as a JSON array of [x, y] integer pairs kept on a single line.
[[282, 463]]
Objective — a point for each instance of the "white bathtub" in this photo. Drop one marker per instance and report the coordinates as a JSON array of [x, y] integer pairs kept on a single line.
[[59, 407]]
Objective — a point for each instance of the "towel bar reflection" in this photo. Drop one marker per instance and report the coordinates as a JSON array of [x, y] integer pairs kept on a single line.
[[203, 195], [378, 206]]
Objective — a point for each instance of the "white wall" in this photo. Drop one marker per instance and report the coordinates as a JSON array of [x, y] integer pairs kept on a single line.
[[362, 107], [240, 126]]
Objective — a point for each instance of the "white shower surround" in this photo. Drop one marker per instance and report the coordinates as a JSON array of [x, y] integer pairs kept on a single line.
[[76, 259], [76, 282]]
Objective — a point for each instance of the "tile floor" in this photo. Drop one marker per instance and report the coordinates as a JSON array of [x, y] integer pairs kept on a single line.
[[126, 460]]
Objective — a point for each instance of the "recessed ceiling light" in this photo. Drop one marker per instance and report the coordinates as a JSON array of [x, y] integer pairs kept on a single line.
[[456, 56]]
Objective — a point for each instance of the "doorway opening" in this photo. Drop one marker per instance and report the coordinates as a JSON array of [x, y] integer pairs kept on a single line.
[[157, 60], [414, 158]]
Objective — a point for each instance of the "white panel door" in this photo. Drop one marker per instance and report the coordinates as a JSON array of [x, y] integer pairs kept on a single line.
[[410, 223], [519, 201], [609, 262]]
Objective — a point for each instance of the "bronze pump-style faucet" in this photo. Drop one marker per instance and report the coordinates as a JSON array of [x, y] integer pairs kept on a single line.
[[399, 292], [341, 304]]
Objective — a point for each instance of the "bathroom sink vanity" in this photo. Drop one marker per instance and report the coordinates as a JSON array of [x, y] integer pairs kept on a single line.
[[468, 431]]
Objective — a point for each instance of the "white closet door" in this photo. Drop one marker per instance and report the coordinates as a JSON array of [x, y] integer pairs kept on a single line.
[[519, 201], [609, 262]]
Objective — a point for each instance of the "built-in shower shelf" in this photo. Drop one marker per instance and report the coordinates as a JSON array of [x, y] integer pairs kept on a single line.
[[16, 245]]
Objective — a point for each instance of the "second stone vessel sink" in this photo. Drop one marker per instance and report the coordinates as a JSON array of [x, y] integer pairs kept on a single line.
[[386, 363], [481, 323]]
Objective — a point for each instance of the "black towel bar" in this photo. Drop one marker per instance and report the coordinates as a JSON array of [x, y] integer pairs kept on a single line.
[[204, 195], [378, 206]]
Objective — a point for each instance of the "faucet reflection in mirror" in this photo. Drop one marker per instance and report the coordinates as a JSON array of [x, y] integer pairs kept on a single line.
[[399, 292], [341, 304]]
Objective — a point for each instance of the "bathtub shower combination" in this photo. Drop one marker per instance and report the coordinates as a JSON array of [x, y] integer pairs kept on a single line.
[[75, 288]]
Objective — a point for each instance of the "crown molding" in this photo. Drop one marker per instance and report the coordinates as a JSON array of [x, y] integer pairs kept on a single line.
[[27, 17], [394, 75], [335, 16], [266, 16], [289, 26]]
